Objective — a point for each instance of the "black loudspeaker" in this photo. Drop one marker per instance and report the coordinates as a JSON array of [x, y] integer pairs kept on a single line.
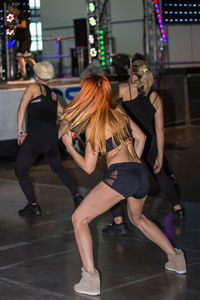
[[80, 32], [79, 60]]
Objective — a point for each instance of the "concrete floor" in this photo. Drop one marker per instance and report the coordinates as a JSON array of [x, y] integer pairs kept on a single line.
[[39, 259]]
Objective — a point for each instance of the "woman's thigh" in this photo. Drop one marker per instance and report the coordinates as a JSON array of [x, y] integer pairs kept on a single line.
[[100, 199], [135, 208]]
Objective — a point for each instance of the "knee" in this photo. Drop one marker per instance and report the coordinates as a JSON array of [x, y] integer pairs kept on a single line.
[[78, 221], [20, 170], [136, 220], [57, 168]]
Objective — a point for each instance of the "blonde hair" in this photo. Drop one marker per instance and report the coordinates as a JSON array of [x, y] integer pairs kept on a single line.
[[93, 106], [140, 68], [44, 70]]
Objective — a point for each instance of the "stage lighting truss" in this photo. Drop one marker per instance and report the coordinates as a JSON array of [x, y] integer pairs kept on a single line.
[[99, 33], [10, 18], [160, 21], [8, 65], [3, 39]]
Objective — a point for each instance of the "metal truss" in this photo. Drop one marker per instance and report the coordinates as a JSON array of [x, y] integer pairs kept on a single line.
[[101, 32], [153, 43]]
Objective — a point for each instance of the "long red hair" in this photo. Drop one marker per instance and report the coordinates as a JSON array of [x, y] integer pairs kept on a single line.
[[93, 106]]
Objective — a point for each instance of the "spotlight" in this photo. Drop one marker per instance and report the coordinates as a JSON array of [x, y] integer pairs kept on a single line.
[[92, 21]]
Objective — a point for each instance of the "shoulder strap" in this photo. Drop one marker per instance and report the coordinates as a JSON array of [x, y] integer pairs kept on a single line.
[[48, 90], [155, 99], [40, 88], [129, 91]]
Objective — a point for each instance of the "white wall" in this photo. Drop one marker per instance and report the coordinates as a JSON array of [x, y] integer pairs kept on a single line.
[[184, 45], [127, 30], [127, 24]]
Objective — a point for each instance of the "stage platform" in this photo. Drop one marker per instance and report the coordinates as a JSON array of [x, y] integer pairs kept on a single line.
[[12, 92], [39, 258]]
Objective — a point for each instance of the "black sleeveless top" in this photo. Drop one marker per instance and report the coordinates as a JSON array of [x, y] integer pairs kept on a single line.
[[141, 111], [42, 119]]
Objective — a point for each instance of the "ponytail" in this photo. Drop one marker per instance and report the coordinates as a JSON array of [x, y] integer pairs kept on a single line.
[[145, 80]]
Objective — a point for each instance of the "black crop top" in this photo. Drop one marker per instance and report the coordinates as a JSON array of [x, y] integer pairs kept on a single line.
[[109, 144]]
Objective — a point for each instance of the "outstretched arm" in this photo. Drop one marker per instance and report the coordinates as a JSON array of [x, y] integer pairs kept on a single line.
[[88, 162]]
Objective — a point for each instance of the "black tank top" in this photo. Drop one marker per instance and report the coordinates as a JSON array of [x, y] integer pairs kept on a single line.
[[42, 119], [141, 111]]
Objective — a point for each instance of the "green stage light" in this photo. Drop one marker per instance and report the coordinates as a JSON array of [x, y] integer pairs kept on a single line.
[[103, 63], [103, 58], [102, 53], [102, 47], [101, 42]]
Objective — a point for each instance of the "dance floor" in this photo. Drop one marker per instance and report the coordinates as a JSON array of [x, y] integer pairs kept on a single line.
[[39, 258]]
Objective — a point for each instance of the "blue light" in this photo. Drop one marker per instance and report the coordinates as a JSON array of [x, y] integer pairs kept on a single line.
[[180, 12], [11, 43], [176, 20], [191, 20], [185, 12], [175, 12], [186, 20]]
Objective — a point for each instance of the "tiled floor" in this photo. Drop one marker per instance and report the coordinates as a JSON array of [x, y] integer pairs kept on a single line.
[[39, 259]]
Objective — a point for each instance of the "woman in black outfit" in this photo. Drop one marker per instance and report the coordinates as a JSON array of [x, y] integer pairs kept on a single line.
[[144, 106], [43, 108]]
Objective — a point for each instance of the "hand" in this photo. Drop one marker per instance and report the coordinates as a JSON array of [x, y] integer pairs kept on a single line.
[[157, 165], [67, 139], [21, 138]]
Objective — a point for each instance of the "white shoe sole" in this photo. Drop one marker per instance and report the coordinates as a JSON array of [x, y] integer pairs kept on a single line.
[[88, 293], [178, 272]]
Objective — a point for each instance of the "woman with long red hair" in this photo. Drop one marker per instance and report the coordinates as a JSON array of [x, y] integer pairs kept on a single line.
[[112, 133]]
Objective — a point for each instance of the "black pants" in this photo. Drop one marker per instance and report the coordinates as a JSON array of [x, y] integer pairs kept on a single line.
[[25, 158], [167, 186]]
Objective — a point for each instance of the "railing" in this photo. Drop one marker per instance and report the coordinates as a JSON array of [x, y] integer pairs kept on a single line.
[[59, 56]]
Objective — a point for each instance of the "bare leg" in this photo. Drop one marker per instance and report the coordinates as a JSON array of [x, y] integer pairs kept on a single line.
[[150, 230], [22, 65], [99, 200]]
